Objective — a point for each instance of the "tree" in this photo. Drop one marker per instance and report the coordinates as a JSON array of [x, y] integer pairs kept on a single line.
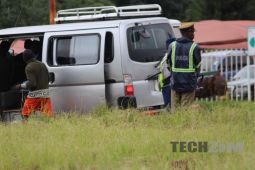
[[222, 10], [66, 4], [36, 12], [170, 9], [16, 13], [195, 10]]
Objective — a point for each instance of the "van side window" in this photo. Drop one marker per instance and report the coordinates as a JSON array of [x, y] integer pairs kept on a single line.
[[147, 43], [109, 48], [74, 50]]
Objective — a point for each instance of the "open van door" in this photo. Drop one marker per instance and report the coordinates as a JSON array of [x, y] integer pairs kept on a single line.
[[76, 66]]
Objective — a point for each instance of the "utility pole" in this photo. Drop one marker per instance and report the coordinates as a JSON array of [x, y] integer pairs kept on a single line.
[[52, 12]]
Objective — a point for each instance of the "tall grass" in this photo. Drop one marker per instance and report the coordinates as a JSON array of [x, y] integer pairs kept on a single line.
[[129, 139]]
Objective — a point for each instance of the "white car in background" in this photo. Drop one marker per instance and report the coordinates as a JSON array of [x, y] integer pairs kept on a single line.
[[238, 87], [229, 62]]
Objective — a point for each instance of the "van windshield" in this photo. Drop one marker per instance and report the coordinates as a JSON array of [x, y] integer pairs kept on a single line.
[[148, 43]]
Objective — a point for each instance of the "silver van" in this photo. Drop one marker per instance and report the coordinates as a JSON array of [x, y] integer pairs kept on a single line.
[[101, 55]]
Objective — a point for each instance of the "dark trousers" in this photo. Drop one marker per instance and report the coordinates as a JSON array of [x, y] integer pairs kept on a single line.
[[1, 115], [179, 99], [166, 91]]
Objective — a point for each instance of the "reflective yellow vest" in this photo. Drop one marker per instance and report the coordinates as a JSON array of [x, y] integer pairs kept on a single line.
[[161, 75], [191, 67]]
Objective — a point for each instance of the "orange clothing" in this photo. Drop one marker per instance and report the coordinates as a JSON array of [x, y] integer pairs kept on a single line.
[[37, 104]]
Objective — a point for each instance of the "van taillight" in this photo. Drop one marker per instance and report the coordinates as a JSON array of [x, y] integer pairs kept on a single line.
[[129, 90], [128, 85]]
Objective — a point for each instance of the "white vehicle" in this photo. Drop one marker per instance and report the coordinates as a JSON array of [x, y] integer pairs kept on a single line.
[[101, 55], [229, 62], [238, 88]]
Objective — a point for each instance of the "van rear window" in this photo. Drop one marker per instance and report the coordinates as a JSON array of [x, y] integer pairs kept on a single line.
[[147, 43]]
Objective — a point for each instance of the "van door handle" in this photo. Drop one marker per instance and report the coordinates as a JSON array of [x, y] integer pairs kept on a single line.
[[51, 77], [109, 81]]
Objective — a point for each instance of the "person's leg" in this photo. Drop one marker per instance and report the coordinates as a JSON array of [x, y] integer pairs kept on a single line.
[[1, 114], [46, 107], [166, 94], [187, 99], [175, 100], [30, 105]]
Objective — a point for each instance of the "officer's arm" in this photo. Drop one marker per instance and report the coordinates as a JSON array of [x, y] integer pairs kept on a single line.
[[197, 59], [169, 52]]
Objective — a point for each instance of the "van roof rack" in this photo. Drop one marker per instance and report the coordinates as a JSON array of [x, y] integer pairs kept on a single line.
[[103, 12]]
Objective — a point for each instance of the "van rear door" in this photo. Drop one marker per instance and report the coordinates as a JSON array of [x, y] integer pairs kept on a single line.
[[76, 65], [146, 42]]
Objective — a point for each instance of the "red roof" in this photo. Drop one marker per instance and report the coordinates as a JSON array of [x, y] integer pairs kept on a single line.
[[222, 34]]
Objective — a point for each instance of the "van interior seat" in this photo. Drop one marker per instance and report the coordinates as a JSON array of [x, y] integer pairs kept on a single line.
[[66, 60]]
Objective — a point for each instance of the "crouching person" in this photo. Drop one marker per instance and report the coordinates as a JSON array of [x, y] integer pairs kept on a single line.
[[38, 85]]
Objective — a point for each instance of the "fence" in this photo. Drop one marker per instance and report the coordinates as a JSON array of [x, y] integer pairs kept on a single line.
[[236, 67]]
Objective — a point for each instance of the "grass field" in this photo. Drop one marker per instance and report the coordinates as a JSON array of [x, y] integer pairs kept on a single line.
[[128, 139]]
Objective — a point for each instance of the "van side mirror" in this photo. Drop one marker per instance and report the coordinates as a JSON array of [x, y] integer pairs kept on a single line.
[[144, 33]]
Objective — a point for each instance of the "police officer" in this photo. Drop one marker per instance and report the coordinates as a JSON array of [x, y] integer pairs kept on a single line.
[[184, 60]]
